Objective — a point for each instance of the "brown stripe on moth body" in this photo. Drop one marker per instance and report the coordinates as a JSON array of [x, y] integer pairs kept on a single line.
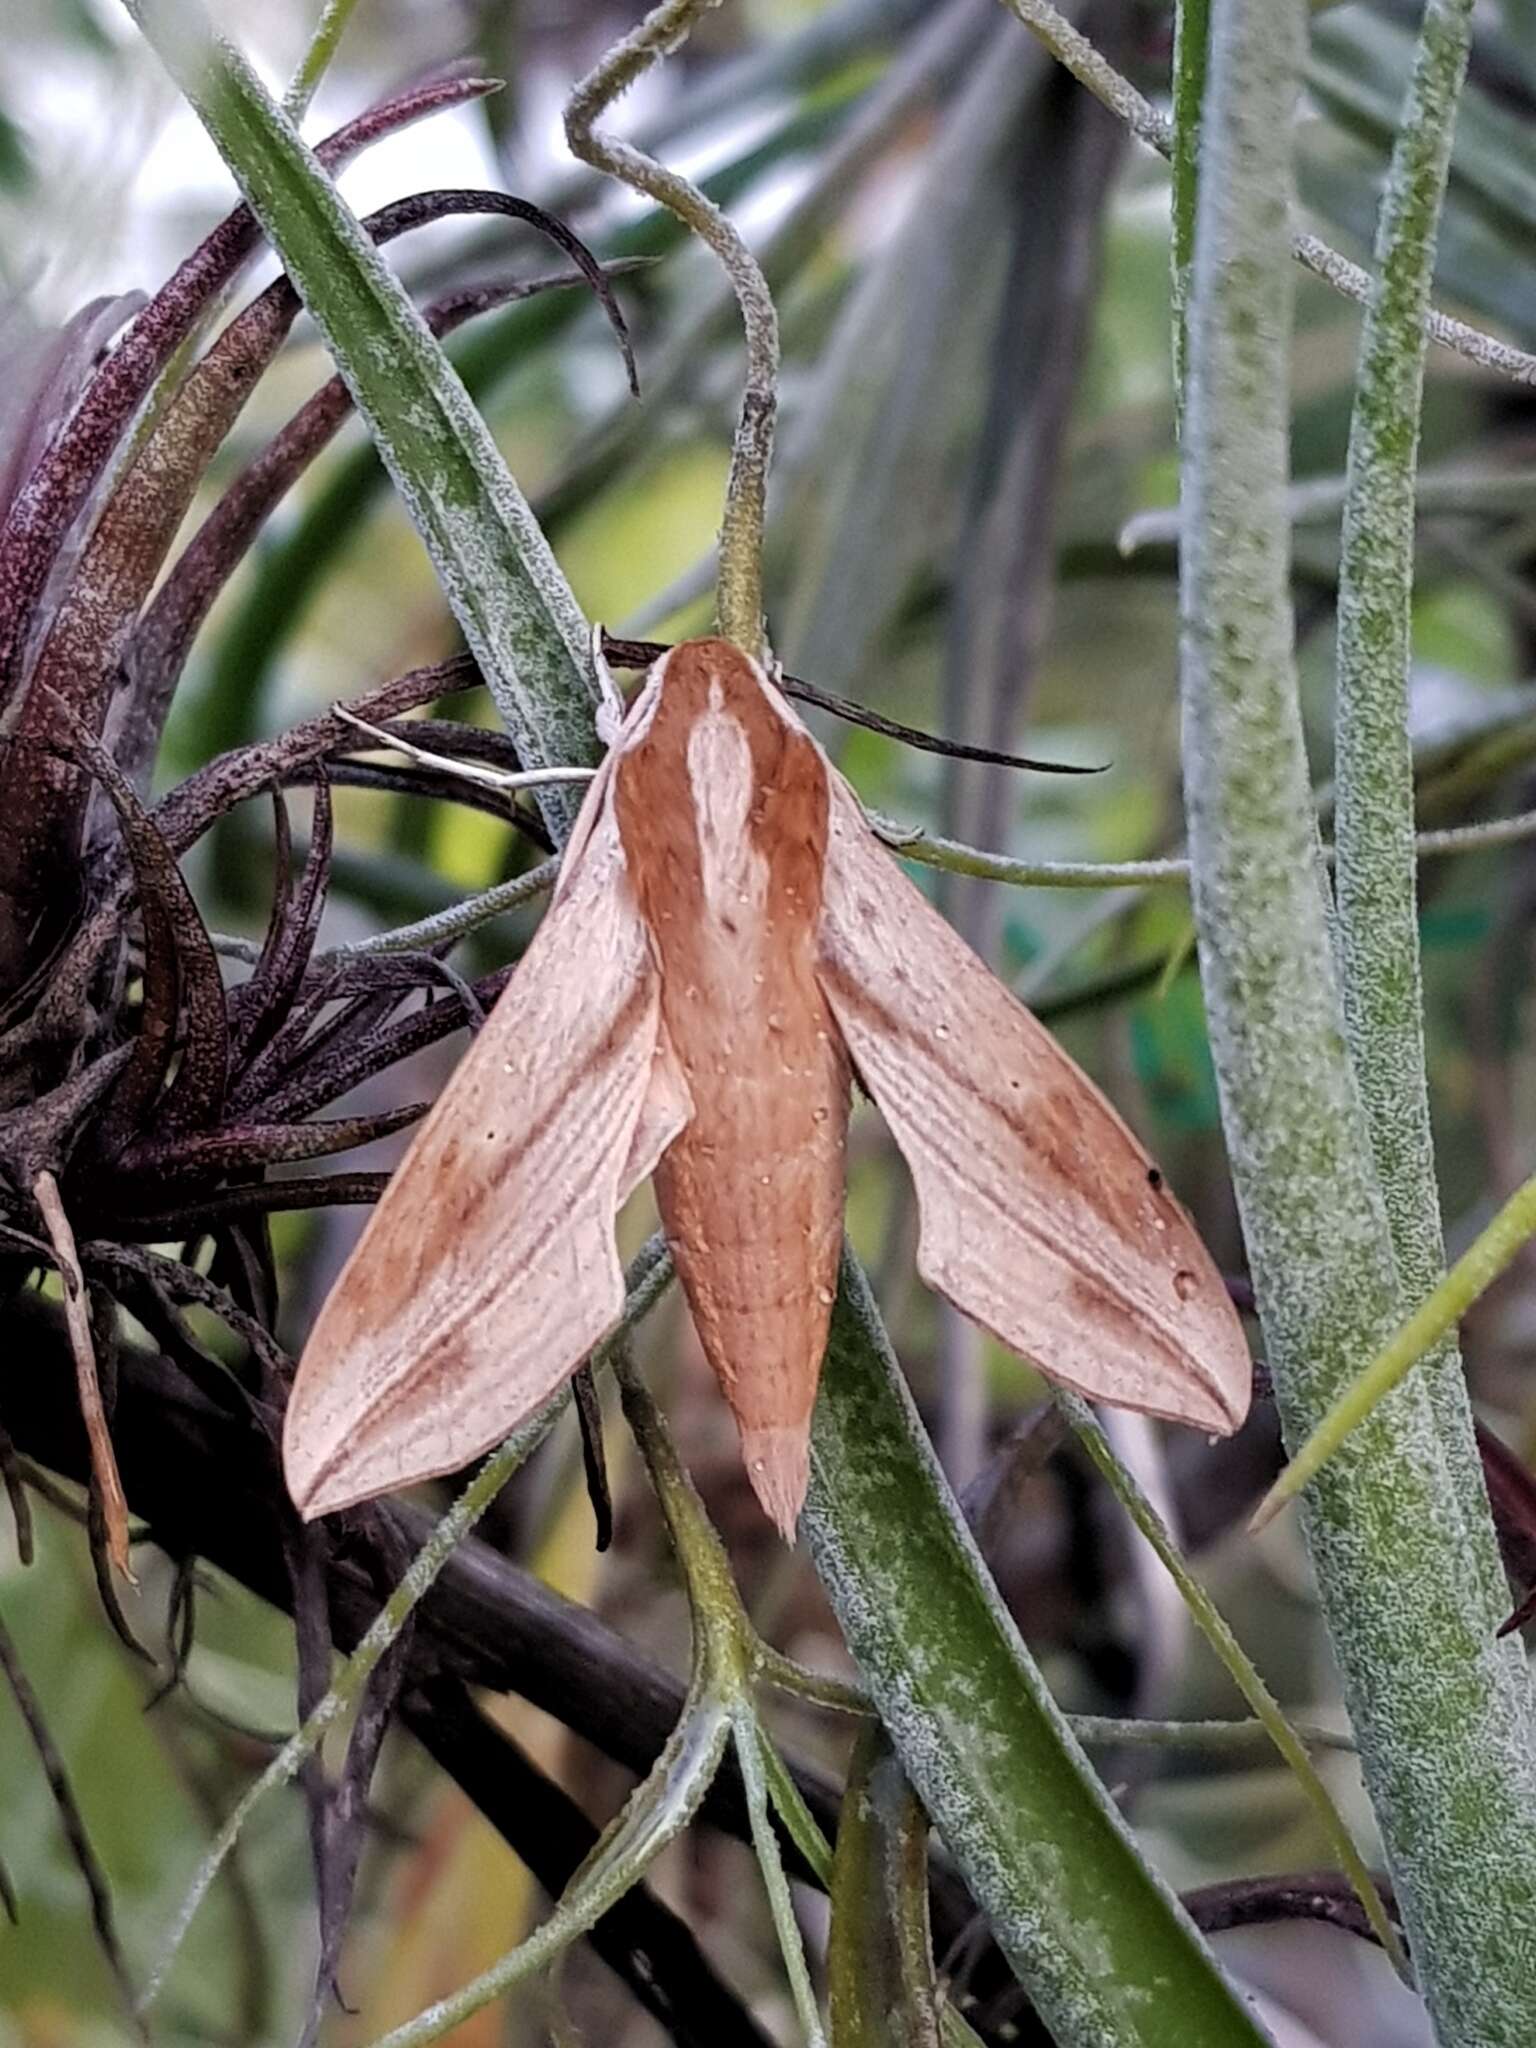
[[721, 804]]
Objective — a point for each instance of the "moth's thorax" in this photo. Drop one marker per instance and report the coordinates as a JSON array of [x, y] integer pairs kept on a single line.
[[721, 801]]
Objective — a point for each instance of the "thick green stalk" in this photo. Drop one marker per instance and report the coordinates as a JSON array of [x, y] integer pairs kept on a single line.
[[1102, 1946], [1443, 1735], [1374, 810]]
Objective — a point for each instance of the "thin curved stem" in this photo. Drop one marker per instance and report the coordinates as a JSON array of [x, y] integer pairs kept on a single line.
[[459, 919], [1376, 893], [740, 583], [956, 858], [1213, 1625]]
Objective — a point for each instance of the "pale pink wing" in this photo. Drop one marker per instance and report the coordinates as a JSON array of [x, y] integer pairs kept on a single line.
[[1042, 1218], [489, 1269]]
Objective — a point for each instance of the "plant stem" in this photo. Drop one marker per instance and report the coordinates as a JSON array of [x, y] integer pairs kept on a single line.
[[316, 61], [750, 1739], [1377, 896], [1438, 1711], [1191, 44], [740, 584], [931, 851], [1239, 1667], [459, 919]]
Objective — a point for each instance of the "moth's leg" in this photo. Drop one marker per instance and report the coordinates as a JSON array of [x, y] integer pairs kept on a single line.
[[610, 701], [467, 771]]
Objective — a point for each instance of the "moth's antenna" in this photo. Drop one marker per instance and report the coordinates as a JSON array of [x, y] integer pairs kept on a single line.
[[739, 591], [641, 653]]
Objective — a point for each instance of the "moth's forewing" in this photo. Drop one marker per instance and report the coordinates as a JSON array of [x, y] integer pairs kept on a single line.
[[1042, 1217], [721, 803], [489, 1269]]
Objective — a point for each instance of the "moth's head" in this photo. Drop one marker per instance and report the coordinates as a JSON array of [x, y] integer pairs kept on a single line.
[[713, 660], [712, 672]]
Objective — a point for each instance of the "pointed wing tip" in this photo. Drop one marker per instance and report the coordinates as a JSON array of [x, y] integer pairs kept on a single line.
[[1196, 1399], [1222, 1388], [327, 1489], [319, 1482], [1228, 1410], [778, 1466], [307, 1485]]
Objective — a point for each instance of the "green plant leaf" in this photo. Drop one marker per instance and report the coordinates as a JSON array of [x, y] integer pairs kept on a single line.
[[1100, 1944], [496, 568]]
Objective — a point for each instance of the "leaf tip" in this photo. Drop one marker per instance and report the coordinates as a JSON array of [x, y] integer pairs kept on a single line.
[[1273, 1501]]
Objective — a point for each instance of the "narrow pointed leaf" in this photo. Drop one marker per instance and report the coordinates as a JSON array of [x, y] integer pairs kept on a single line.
[[496, 568], [181, 971], [60, 484]]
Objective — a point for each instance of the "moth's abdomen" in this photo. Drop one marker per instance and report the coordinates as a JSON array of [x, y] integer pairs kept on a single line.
[[751, 1196]]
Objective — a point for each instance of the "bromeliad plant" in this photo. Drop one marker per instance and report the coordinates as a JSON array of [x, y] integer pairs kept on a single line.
[[144, 1102], [148, 1105]]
